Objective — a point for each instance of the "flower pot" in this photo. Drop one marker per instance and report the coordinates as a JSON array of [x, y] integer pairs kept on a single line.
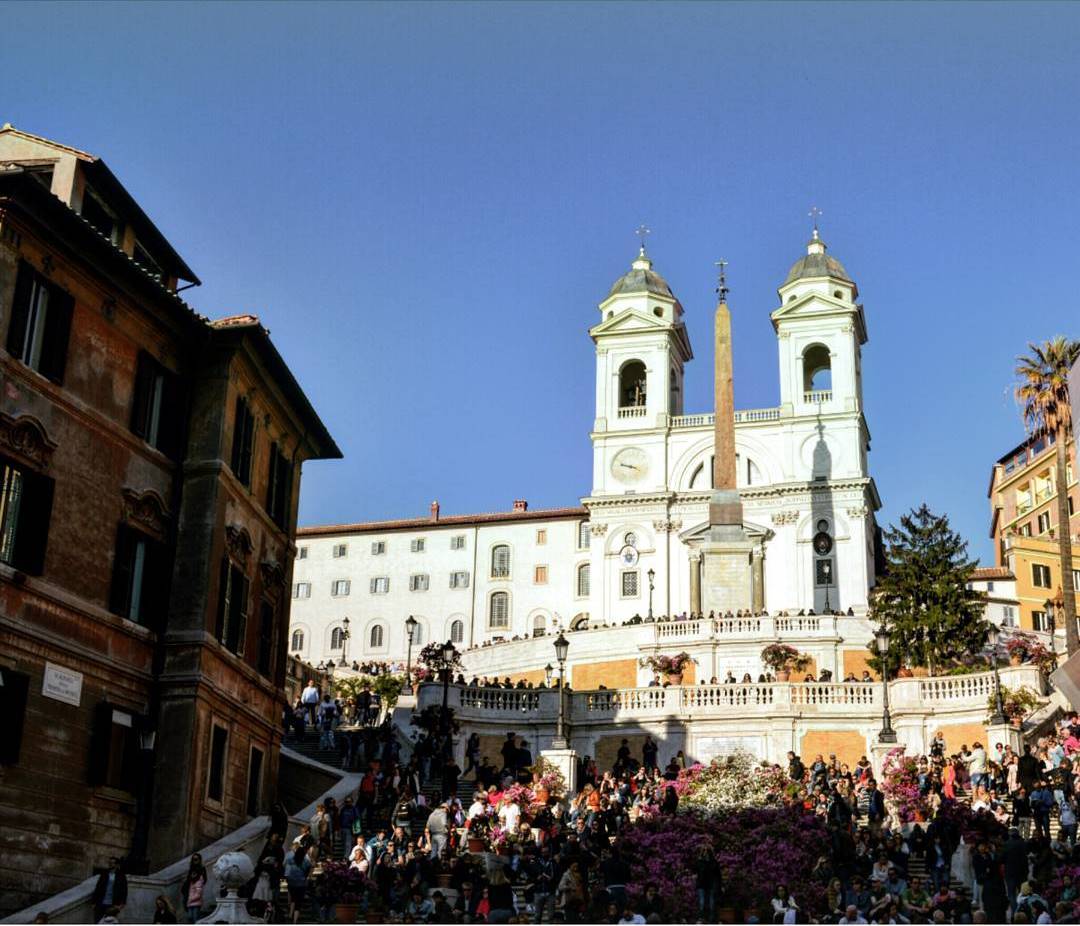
[[1016, 659], [346, 912], [476, 845], [674, 678], [783, 675]]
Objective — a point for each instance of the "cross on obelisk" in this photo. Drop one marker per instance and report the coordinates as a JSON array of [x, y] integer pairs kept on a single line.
[[721, 284], [642, 231]]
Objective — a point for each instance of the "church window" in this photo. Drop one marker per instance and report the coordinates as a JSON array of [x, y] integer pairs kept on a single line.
[[817, 369], [583, 535], [337, 638], [539, 625], [583, 574], [630, 583], [632, 384], [499, 611], [500, 562], [375, 637], [457, 632], [297, 641]]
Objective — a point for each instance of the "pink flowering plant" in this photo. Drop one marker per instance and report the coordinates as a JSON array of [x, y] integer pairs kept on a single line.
[[781, 657], [667, 665], [900, 786], [1027, 648]]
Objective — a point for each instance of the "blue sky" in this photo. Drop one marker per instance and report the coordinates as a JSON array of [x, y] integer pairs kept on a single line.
[[426, 202]]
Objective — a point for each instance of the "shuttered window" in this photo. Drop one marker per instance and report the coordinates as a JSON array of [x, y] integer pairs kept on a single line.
[[279, 487], [40, 325], [141, 571], [232, 615], [25, 512], [157, 408], [243, 441]]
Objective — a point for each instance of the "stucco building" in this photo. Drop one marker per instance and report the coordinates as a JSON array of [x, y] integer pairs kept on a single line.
[[149, 470]]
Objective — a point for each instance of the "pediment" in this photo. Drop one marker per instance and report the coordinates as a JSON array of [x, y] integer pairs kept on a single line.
[[630, 321], [699, 533]]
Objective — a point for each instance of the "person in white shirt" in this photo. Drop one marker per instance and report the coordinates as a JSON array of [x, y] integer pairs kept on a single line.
[[310, 699], [851, 915], [478, 806], [510, 814]]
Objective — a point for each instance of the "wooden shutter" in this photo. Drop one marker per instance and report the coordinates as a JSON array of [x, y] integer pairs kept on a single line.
[[144, 388], [20, 310], [223, 599], [14, 694], [32, 533], [157, 579], [238, 605], [57, 334], [100, 741], [123, 560], [172, 432]]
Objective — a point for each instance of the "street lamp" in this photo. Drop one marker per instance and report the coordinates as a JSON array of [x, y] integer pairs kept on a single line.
[[881, 640], [547, 674], [448, 653], [826, 570], [1051, 623], [998, 717], [652, 574], [562, 646], [345, 643], [410, 630]]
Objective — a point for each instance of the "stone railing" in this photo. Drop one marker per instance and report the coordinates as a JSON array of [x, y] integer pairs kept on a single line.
[[746, 416], [632, 411], [817, 396], [764, 626], [500, 699]]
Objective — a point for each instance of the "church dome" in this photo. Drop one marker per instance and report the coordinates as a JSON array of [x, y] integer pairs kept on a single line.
[[641, 279], [817, 264]]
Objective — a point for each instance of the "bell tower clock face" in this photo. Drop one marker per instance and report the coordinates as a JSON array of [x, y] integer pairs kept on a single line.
[[630, 466]]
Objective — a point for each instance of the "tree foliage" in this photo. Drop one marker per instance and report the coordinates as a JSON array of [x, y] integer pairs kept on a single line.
[[923, 598]]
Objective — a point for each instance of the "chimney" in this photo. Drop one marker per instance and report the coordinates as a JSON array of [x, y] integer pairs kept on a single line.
[[435, 510], [520, 504]]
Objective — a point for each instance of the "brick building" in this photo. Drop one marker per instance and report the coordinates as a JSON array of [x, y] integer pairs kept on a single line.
[[149, 471]]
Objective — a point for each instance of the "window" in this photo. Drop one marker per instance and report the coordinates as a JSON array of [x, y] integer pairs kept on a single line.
[[140, 578], [14, 694], [541, 538], [1040, 575], [243, 440], [417, 545], [279, 487], [301, 553], [25, 510], [142, 257], [337, 638], [378, 548], [418, 634], [583, 535], [254, 785], [500, 562], [40, 325], [459, 580], [499, 610], [1025, 529], [1044, 522], [297, 641], [817, 370], [1070, 501], [157, 413], [301, 590], [989, 586], [1008, 616], [340, 588], [583, 576], [341, 550], [1039, 621], [632, 385], [376, 636], [539, 625], [1076, 584], [823, 572], [540, 575], [265, 657], [418, 583], [100, 216], [114, 748], [215, 784], [380, 585], [232, 607], [457, 632], [630, 584], [457, 542]]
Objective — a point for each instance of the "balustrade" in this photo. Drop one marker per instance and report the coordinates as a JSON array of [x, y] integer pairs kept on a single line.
[[501, 699], [812, 694], [818, 396], [705, 696], [747, 415], [632, 411]]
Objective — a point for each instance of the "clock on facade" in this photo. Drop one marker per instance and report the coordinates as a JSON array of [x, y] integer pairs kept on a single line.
[[628, 555], [630, 465]]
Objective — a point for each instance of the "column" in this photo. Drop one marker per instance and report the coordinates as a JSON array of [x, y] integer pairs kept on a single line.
[[758, 569], [695, 582]]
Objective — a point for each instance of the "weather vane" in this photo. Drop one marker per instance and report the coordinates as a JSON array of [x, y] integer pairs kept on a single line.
[[722, 287], [642, 231], [814, 213]]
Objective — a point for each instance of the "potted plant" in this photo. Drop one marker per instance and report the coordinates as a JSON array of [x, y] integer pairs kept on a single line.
[[783, 659], [1016, 702], [1026, 647], [672, 667], [343, 886]]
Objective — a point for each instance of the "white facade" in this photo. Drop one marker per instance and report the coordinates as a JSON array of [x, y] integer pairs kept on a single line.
[[802, 472], [999, 587]]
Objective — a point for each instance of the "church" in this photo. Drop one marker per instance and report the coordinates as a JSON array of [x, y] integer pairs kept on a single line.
[[795, 486]]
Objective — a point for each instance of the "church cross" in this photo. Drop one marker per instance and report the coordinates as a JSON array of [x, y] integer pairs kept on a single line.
[[722, 287], [642, 231], [814, 214]]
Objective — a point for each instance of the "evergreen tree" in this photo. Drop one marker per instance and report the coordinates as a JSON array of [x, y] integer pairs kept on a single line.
[[923, 597]]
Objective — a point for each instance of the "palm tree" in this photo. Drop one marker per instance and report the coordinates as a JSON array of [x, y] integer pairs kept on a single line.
[[1043, 391]]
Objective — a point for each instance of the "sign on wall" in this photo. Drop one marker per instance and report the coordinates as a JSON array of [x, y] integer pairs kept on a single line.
[[62, 684], [711, 747]]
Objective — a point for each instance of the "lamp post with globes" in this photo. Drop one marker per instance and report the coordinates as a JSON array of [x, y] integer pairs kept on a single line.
[[652, 575], [826, 570], [410, 631], [547, 674], [1051, 623], [881, 641], [562, 646], [998, 718], [345, 643], [448, 654]]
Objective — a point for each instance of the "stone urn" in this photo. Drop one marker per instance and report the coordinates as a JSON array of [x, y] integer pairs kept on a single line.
[[232, 871]]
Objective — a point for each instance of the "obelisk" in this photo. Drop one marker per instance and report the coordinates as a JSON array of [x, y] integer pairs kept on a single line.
[[727, 573]]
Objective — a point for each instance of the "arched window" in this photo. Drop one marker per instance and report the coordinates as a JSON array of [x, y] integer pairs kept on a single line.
[[583, 535], [580, 621], [297, 641], [817, 369], [500, 562], [499, 610], [539, 625], [337, 638], [583, 575], [632, 384], [375, 638], [418, 634], [457, 632]]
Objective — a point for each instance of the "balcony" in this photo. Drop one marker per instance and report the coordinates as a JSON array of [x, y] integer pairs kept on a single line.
[[817, 397], [764, 626], [632, 411]]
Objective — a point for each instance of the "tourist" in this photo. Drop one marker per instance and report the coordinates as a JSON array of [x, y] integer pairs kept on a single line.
[[297, 870], [193, 886], [309, 698], [784, 906], [111, 889], [163, 910]]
